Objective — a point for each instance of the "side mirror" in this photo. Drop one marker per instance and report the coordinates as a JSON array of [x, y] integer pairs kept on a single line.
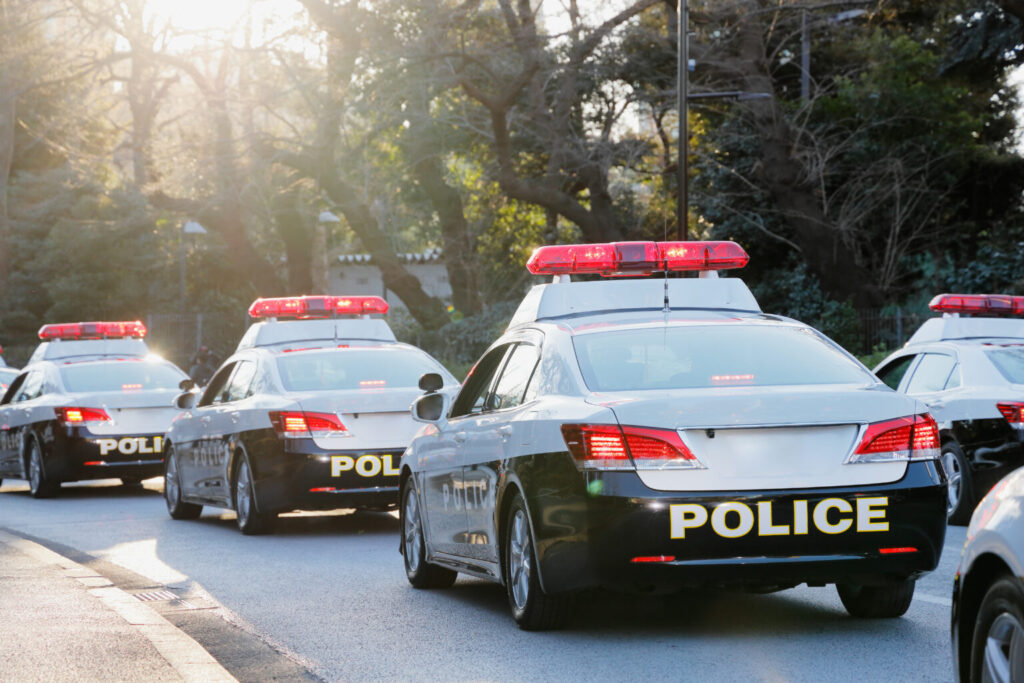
[[430, 408], [187, 384], [186, 401], [431, 381]]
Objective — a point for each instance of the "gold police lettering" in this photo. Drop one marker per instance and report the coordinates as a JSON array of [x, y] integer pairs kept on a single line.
[[132, 445], [364, 465], [734, 519]]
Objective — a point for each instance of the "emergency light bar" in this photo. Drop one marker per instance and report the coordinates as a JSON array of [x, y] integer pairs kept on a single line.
[[635, 258], [317, 306], [102, 330], [992, 304]]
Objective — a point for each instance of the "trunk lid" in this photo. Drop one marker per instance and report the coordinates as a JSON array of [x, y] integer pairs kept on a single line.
[[375, 418]]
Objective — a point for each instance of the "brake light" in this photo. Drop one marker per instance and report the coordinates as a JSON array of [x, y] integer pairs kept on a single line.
[[901, 440], [992, 304], [643, 559], [77, 416], [101, 330], [897, 551], [303, 425], [635, 258], [1013, 412], [306, 307], [611, 447]]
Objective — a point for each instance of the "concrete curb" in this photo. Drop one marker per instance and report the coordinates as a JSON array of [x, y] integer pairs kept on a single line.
[[185, 655]]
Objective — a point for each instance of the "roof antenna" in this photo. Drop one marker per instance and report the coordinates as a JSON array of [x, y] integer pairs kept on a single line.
[[667, 307]]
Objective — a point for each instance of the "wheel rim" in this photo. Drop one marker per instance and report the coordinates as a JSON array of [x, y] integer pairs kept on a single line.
[[243, 496], [35, 469], [520, 558], [171, 489], [955, 480], [1004, 651], [413, 539]]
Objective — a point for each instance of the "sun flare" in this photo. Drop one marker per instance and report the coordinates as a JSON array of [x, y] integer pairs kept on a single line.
[[202, 15]]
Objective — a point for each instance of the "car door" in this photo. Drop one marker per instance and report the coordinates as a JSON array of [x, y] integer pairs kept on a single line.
[[28, 407], [10, 429], [497, 433], [195, 446], [441, 459], [930, 380]]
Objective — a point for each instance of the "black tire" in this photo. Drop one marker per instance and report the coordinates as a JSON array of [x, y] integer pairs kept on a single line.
[[421, 574], [176, 508], [960, 499], [532, 608], [39, 485], [999, 634], [251, 520], [886, 601]]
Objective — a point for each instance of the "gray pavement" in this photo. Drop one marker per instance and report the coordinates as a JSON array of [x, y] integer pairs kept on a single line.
[[60, 621]]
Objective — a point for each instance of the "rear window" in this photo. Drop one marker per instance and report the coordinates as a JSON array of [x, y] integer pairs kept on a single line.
[[1009, 361], [122, 375], [341, 369], [711, 356]]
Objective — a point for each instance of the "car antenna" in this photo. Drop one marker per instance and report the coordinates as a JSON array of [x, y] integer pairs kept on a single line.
[[667, 308]]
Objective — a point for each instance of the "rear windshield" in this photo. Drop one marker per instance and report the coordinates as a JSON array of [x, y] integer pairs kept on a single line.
[[711, 356], [120, 375], [340, 369], [1009, 360]]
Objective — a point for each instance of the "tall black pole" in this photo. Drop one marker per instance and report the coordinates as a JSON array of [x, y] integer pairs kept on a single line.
[[683, 143]]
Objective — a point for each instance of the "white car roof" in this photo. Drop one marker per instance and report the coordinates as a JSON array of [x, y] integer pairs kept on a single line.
[[89, 349], [952, 327], [272, 333]]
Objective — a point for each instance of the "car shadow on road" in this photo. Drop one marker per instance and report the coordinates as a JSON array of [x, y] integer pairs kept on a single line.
[[100, 490], [311, 525]]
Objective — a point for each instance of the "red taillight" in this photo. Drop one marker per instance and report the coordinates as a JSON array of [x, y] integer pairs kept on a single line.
[[317, 306], [98, 330], [903, 439], [77, 416], [1013, 412], [635, 258], [644, 559], [323, 489], [298, 424], [991, 304], [897, 551], [610, 447]]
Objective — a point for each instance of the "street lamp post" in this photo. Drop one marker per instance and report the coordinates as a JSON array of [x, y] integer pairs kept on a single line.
[[189, 228], [683, 142]]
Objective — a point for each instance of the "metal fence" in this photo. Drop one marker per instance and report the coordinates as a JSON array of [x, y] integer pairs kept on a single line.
[[884, 330], [177, 337]]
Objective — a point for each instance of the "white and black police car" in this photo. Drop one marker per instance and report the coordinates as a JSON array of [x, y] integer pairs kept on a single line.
[[92, 403], [311, 412], [653, 434], [967, 366]]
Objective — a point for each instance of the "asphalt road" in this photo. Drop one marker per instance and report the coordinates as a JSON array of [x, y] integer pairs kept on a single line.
[[330, 590]]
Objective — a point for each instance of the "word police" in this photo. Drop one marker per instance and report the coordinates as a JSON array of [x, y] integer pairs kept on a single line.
[[364, 465], [735, 519], [131, 445]]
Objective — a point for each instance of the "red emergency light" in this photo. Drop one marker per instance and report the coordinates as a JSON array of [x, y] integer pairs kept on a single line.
[[990, 304], [102, 330], [317, 306], [635, 258]]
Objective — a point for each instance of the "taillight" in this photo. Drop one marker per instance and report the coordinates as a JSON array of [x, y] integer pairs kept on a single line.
[[77, 416], [901, 440], [1013, 412], [611, 447], [303, 425]]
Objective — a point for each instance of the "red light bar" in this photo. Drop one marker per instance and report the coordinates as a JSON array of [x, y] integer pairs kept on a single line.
[[992, 304], [317, 306], [635, 258], [102, 330]]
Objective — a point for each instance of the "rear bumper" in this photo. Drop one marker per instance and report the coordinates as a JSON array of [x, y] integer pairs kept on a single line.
[[77, 455], [305, 477], [620, 520]]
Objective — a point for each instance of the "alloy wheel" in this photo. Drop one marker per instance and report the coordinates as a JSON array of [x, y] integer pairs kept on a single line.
[[413, 537], [1004, 651], [520, 559], [243, 494], [171, 487], [35, 468], [951, 464]]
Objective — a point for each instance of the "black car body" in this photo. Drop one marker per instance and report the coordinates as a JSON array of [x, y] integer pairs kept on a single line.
[[87, 408], [307, 414]]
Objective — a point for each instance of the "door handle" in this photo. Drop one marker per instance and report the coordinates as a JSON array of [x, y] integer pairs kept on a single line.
[[505, 431], [460, 437]]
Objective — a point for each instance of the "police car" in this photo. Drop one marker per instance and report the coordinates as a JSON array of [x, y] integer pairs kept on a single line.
[[968, 367], [7, 376], [92, 403], [311, 412], [652, 434]]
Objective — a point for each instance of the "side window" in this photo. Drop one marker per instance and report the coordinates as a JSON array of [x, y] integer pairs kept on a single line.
[[511, 386], [217, 385], [238, 387], [13, 390], [31, 388], [931, 373], [478, 384], [954, 378], [892, 373]]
